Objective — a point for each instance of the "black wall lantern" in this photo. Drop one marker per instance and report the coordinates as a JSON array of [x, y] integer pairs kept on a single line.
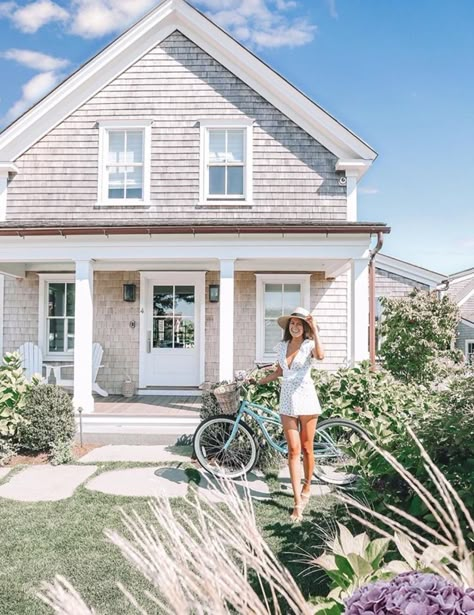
[[213, 293], [129, 292]]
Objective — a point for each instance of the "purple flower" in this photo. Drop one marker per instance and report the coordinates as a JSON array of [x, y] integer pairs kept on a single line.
[[411, 593]]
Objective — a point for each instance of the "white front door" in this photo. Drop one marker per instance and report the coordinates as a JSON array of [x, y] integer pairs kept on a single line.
[[172, 339]]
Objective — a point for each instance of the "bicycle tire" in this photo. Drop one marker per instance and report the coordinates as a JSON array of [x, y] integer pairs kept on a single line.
[[327, 452], [211, 457]]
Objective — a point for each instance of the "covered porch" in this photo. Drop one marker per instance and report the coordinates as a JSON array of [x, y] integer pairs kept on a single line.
[[175, 406]]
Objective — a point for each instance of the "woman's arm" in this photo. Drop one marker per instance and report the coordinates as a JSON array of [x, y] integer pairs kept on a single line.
[[277, 373], [318, 350]]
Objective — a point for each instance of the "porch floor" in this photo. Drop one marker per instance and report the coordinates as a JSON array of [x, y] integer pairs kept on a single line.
[[148, 405]]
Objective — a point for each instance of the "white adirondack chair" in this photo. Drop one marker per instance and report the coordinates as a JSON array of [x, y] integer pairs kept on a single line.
[[32, 361], [97, 353]]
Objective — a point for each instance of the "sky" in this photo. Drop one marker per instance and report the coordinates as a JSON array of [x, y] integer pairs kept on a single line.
[[398, 74]]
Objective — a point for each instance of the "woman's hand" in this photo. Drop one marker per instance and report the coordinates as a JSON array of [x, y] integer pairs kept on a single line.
[[312, 323]]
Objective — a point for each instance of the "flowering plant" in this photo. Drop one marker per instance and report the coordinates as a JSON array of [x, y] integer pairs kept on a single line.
[[412, 593]]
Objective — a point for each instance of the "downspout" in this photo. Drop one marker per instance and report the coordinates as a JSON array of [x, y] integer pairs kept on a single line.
[[373, 253]]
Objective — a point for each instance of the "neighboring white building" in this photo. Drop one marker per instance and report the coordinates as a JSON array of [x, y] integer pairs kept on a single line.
[[177, 169]]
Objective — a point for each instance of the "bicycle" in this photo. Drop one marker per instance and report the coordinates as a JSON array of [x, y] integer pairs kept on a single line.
[[225, 446]]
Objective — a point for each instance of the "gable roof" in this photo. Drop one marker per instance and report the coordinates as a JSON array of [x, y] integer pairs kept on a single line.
[[167, 17], [408, 270]]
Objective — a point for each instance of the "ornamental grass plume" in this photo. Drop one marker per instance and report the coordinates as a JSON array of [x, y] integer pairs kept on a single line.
[[201, 563], [442, 550], [411, 593]]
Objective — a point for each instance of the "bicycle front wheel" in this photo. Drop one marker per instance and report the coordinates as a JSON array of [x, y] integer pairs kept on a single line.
[[231, 461], [336, 444]]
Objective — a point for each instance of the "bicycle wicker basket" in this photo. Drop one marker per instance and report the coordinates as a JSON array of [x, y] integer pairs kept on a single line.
[[228, 397]]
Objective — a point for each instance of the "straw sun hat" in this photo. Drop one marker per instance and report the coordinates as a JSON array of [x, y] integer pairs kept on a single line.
[[299, 312]]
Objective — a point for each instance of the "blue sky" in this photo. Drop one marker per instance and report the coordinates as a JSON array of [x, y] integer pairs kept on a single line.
[[399, 74]]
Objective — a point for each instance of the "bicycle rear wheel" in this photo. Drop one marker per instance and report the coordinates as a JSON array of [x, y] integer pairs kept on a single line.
[[209, 443], [335, 451]]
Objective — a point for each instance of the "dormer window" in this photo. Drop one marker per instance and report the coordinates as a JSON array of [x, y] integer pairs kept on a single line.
[[124, 177], [226, 161]]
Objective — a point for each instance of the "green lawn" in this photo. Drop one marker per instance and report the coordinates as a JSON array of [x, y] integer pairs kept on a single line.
[[67, 537]]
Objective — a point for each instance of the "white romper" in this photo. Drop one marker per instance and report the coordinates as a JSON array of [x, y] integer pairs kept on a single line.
[[298, 395]]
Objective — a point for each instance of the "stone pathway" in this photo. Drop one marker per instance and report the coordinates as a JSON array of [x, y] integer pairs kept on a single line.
[[48, 483], [45, 483]]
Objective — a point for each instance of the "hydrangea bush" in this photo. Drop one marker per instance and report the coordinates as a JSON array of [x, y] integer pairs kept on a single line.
[[411, 593]]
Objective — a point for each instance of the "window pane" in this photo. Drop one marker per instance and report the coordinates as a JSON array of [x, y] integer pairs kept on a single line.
[[216, 180], [56, 335], [134, 183], [70, 333], [56, 299], [162, 301], [116, 147], [235, 180], [134, 146], [216, 146], [70, 299], [184, 301], [235, 146], [184, 333], [291, 297], [117, 182], [273, 335], [273, 300], [162, 333]]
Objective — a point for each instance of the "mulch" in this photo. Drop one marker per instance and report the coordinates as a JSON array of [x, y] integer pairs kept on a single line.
[[34, 459]]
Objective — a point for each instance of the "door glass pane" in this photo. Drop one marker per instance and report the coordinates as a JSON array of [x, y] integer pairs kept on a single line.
[[70, 333], [134, 182], [235, 146], [291, 297], [162, 301], [56, 335], [273, 300], [135, 146], [273, 335], [184, 333], [184, 301], [216, 180], [216, 146], [56, 299], [70, 299], [162, 333], [235, 180], [116, 147]]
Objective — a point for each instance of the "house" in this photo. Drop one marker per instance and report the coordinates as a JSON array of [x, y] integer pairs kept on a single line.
[[170, 200], [396, 278]]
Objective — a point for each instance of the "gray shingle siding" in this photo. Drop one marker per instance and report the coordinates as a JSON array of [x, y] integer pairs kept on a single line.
[[389, 284], [465, 332], [176, 85]]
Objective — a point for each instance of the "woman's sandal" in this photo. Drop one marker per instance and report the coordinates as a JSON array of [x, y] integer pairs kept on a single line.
[[298, 508], [305, 496]]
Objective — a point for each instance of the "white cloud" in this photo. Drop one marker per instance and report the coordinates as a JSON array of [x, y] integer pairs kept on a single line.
[[7, 9], [33, 16], [35, 60], [95, 18], [32, 91]]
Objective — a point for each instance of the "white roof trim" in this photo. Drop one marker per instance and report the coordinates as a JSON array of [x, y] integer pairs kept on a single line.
[[467, 322], [353, 167], [408, 270], [466, 297], [7, 168], [169, 16]]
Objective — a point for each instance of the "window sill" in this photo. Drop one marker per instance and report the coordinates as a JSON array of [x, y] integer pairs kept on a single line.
[[122, 205], [224, 205]]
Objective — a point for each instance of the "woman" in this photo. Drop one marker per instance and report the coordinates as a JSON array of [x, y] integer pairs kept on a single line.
[[299, 404]]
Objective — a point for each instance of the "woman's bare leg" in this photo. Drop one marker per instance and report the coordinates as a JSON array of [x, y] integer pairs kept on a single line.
[[290, 427], [308, 429]]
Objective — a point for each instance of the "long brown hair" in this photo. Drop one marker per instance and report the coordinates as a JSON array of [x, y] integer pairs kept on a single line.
[[307, 335]]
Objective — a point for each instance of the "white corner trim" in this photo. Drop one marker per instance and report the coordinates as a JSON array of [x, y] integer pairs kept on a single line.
[[3, 197], [2, 312], [204, 126], [351, 196], [102, 187], [304, 279], [44, 279]]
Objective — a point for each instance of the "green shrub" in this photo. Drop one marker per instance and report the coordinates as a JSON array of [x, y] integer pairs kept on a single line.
[[61, 452], [13, 389], [7, 450], [50, 415]]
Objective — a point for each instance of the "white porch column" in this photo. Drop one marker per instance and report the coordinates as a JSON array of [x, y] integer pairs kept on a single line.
[[360, 309], [226, 320], [83, 336]]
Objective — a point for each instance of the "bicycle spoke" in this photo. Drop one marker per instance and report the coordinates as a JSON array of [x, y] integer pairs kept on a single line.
[[335, 452]]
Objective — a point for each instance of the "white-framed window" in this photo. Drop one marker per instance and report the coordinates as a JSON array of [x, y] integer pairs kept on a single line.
[[470, 351], [277, 294], [226, 161], [57, 295], [124, 163]]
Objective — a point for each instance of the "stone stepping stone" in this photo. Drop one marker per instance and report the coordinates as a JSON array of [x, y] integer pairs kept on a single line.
[[142, 482], [209, 488], [45, 483], [132, 453], [4, 472], [285, 484]]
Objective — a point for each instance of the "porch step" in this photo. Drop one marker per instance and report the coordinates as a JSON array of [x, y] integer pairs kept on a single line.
[[179, 392], [133, 424]]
